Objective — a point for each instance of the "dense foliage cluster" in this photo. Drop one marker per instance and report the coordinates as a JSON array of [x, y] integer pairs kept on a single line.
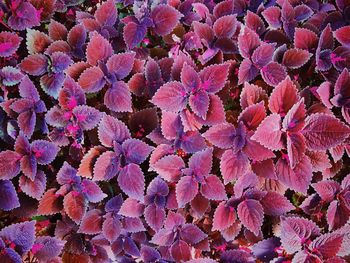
[[174, 131]]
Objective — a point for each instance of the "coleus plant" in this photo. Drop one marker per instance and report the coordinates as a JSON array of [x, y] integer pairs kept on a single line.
[[174, 131]]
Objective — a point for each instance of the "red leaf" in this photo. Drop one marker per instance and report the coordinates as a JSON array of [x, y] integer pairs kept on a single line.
[[296, 148], [343, 36], [35, 65], [224, 217], [295, 58], [98, 49], [251, 94], [74, 205], [276, 204], [111, 227], [91, 223], [305, 39], [248, 41], [121, 64], [50, 203], [273, 73], [9, 43], [180, 251], [225, 26]]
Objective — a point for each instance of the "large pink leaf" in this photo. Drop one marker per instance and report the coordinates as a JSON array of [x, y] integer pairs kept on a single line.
[[214, 77], [121, 64], [247, 71], [165, 18], [132, 182], [327, 190], [180, 251], [221, 135], [170, 97], [111, 129], [224, 216], [276, 204], [272, 16], [296, 148], [262, 55], [169, 167], [248, 41], [213, 189], [186, 190], [233, 165], [323, 131], [133, 34], [268, 133], [343, 36], [154, 216], [106, 14], [200, 163], [251, 94], [9, 164], [118, 97], [92, 80], [251, 214], [98, 49], [75, 205], [273, 73], [225, 26]]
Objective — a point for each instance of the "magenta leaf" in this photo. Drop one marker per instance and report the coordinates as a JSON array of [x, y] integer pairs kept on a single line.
[[273, 73], [92, 191], [154, 216], [165, 18], [171, 97], [50, 247], [98, 49], [247, 71], [224, 216], [136, 151], [132, 182], [87, 117], [34, 188], [225, 26], [9, 43], [91, 223], [328, 244], [233, 165], [10, 76], [213, 189], [251, 214], [111, 228], [248, 41], [180, 251], [276, 204], [131, 208], [186, 190], [191, 234], [221, 135], [262, 55], [44, 151], [342, 35], [9, 164]]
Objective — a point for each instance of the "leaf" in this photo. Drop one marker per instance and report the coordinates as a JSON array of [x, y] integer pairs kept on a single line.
[[51, 247], [251, 94], [98, 49], [22, 235], [132, 182], [273, 73], [131, 208], [34, 65], [169, 167], [296, 148], [221, 135], [133, 34], [106, 14], [75, 206], [248, 41], [9, 164], [276, 204], [327, 190], [44, 151], [10, 76], [213, 189], [171, 97], [154, 216], [25, 17], [305, 39], [214, 77], [37, 41], [295, 119], [272, 16], [252, 116], [336, 215], [247, 71], [92, 191], [294, 230], [87, 117], [343, 36], [34, 188], [251, 214], [323, 131], [50, 203], [111, 228], [60, 61], [224, 217], [295, 58], [180, 251], [57, 31], [118, 97], [136, 151], [121, 64], [29, 166], [92, 80], [111, 129], [192, 234], [165, 18], [9, 43], [186, 190], [233, 165], [262, 55], [91, 223], [8, 196], [225, 26], [265, 250], [268, 133], [106, 166]]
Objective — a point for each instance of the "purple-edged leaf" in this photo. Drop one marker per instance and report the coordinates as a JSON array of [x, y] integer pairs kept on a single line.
[[57, 31], [248, 41], [75, 205], [50, 248], [29, 166], [111, 129], [199, 103], [337, 216], [157, 187], [268, 133], [213, 189], [204, 32], [169, 167], [186, 190], [295, 58], [305, 39], [327, 190], [22, 235], [34, 188], [91, 223], [149, 254], [295, 119], [133, 34], [114, 203], [273, 73], [191, 234], [180, 251], [9, 43], [25, 16], [132, 182], [92, 80], [214, 77], [87, 117], [343, 36], [328, 244], [34, 65], [247, 71], [56, 117], [92, 191], [10, 76], [165, 18], [225, 26], [265, 250], [262, 55], [136, 151], [28, 90], [26, 122], [131, 208], [154, 216], [323, 131], [60, 61], [224, 216], [298, 178], [251, 94], [111, 228], [251, 214], [8, 196], [233, 165], [44, 151], [200, 163], [170, 97], [9, 164], [216, 112], [238, 255], [276, 204], [133, 225], [221, 135], [106, 14], [50, 203], [118, 97], [252, 116], [98, 49], [294, 232], [52, 83], [121, 64], [164, 237]]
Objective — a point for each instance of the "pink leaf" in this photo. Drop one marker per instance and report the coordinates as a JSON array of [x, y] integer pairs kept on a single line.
[[252, 116], [131, 208], [132, 182], [9, 164], [262, 55], [225, 26], [186, 190], [111, 228], [247, 71], [154, 216], [295, 58], [224, 217], [233, 165], [180, 251], [305, 39], [98, 49], [248, 41], [165, 18], [34, 188], [296, 148], [171, 97], [111, 129], [251, 94], [276, 204], [272, 16], [214, 77], [121, 64], [87, 117], [251, 214], [9, 43], [35, 65], [327, 190], [91, 223], [213, 189], [273, 73], [118, 97], [169, 167], [221, 135], [343, 36], [295, 119], [92, 80]]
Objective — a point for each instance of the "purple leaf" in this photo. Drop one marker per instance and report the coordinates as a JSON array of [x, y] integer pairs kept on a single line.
[[225, 26], [121, 64], [111, 129], [118, 97], [111, 228], [44, 151], [10, 76], [51, 247], [186, 190], [136, 151], [87, 117], [106, 166], [92, 191], [9, 43], [251, 214], [276, 204], [247, 71], [132, 182], [221, 135], [8, 196], [233, 165], [273, 73], [34, 188], [191, 234], [262, 55], [180, 251], [25, 16], [213, 189], [133, 34], [265, 250], [154, 216], [9, 164]]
